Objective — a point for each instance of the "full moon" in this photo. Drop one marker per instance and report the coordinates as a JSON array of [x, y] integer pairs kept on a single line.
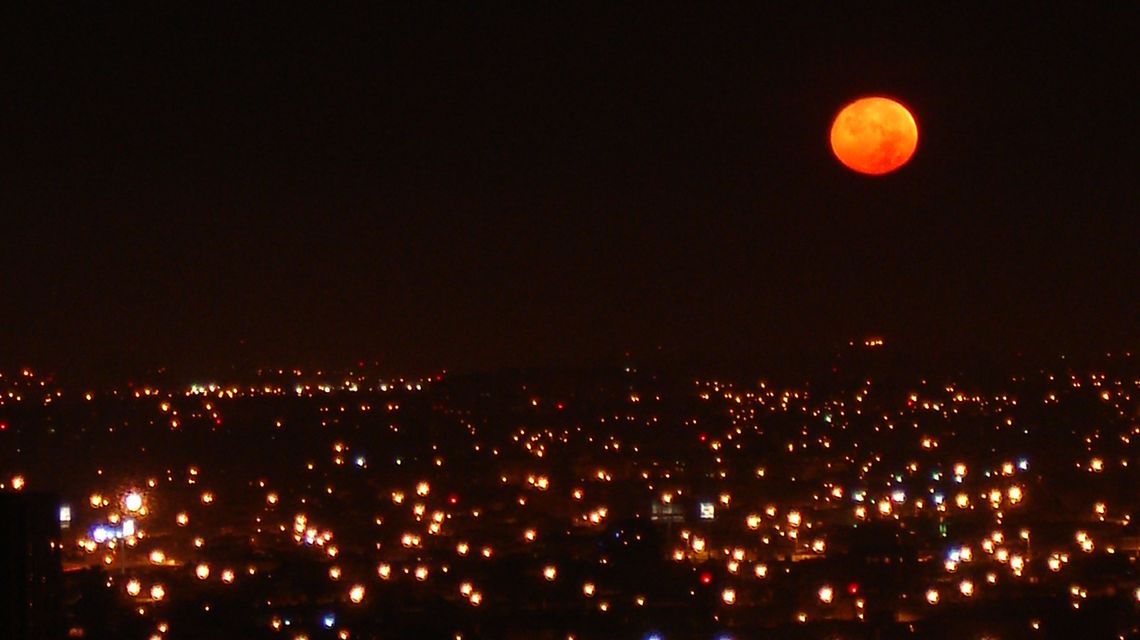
[[874, 135]]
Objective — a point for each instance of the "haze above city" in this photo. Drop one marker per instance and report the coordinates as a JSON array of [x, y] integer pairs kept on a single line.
[[469, 189]]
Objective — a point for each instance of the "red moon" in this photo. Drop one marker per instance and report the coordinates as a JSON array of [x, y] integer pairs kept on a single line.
[[874, 135]]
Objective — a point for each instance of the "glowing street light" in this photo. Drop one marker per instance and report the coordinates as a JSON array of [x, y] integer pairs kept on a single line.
[[133, 501]]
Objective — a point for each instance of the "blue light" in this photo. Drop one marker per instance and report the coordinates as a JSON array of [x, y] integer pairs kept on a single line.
[[329, 621], [1023, 464], [654, 636]]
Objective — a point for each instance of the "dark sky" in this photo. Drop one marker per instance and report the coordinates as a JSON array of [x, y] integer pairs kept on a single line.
[[433, 186]]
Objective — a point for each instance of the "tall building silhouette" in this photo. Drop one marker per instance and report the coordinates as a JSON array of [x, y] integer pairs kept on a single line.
[[31, 578]]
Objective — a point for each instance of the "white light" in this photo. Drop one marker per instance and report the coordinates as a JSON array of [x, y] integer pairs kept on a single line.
[[133, 501], [708, 511]]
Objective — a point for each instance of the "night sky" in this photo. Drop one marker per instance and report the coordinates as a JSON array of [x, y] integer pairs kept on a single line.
[[430, 186]]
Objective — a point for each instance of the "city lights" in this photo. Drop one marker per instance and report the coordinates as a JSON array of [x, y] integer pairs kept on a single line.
[[726, 532]]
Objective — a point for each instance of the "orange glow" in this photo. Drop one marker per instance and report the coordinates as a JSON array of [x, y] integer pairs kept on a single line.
[[874, 135]]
